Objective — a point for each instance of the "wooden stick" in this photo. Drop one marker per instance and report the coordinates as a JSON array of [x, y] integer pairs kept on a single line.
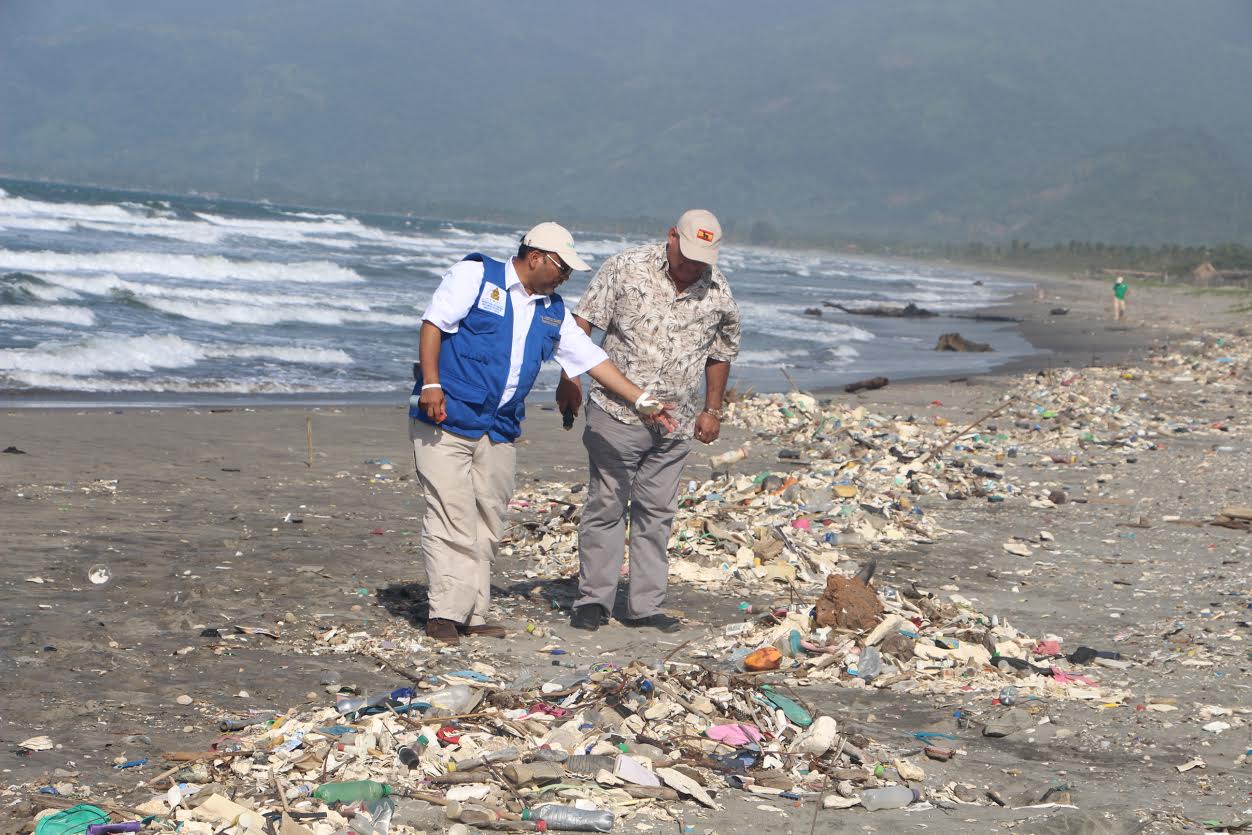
[[790, 381], [926, 456], [308, 431], [278, 787], [196, 756], [393, 667]]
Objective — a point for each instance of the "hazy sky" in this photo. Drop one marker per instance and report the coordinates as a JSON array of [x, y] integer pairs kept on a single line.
[[912, 119]]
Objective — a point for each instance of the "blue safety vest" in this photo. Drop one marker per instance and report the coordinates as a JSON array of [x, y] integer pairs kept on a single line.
[[474, 361]]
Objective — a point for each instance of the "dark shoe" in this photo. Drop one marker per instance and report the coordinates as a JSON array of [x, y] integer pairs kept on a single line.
[[590, 616], [659, 621], [444, 630], [487, 630]]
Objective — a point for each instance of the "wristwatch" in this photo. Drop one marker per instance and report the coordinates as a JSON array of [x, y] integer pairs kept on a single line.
[[717, 413]]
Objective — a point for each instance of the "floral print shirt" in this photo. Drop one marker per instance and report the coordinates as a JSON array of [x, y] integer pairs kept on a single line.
[[658, 337]]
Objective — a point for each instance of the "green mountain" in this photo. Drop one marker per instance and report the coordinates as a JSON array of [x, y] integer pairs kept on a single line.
[[910, 120]]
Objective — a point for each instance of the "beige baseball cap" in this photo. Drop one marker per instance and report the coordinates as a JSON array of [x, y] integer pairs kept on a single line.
[[555, 238], [699, 235]]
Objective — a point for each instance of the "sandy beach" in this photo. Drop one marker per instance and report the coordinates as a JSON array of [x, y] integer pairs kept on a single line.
[[214, 518]]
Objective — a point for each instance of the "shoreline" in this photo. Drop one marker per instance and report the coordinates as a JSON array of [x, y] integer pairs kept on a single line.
[[1018, 305]]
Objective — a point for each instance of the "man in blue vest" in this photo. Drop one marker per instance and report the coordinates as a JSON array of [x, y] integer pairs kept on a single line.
[[489, 327]]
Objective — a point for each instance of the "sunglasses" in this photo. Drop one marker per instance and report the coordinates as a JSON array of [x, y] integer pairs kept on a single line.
[[565, 269]]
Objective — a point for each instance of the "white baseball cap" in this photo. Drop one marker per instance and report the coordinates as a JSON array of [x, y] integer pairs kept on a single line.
[[699, 235], [555, 238]]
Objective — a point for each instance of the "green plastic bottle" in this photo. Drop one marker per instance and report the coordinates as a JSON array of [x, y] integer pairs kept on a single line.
[[351, 791]]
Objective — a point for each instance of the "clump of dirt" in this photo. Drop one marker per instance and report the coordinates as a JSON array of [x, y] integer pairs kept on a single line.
[[848, 603]]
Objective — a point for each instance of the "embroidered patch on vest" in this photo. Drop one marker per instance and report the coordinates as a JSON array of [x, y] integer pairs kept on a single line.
[[492, 299], [548, 320]]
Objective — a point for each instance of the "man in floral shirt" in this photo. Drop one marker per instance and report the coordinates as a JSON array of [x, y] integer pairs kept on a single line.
[[669, 323]]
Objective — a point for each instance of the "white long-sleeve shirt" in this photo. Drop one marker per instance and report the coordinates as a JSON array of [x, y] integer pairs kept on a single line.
[[458, 291]]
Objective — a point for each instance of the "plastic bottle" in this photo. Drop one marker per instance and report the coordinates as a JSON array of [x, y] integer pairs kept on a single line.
[[870, 663], [351, 791], [410, 755], [456, 698], [570, 819], [728, 458], [380, 813], [588, 765], [506, 755], [352, 705], [548, 755], [891, 797]]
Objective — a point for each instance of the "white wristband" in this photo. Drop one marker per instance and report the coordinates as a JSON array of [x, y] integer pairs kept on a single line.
[[645, 405], [431, 386]]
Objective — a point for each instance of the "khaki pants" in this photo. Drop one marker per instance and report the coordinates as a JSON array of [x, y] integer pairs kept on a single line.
[[467, 484]]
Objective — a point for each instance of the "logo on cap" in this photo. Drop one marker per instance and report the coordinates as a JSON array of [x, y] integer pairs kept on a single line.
[[704, 235]]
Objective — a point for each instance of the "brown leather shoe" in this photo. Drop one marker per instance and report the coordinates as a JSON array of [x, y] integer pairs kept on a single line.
[[487, 630], [444, 630]]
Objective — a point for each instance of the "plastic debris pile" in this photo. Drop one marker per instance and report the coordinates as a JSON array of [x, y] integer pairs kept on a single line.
[[910, 641], [856, 480], [581, 751]]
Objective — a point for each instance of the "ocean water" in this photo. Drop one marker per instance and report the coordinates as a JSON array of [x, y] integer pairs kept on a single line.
[[122, 297]]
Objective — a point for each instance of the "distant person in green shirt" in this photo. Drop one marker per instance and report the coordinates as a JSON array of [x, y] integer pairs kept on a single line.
[[1120, 288]]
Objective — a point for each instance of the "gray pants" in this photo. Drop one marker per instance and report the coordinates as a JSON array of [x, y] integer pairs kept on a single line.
[[629, 465]]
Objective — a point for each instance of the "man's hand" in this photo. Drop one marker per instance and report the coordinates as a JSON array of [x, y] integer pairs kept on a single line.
[[432, 402], [708, 428], [569, 395], [662, 419]]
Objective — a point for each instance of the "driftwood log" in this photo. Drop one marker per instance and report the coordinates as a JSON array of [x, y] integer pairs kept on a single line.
[[868, 384], [956, 342], [909, 311]]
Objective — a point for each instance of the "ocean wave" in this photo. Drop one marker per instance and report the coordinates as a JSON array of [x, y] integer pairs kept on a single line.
[[196, 267], [24, 286], [65, 314], [102, 354], [790, 322], [308, 356], [12, 207], [249, 314], [100, 285], [183, 385], [797, 358], [35, 224], [133, 354]]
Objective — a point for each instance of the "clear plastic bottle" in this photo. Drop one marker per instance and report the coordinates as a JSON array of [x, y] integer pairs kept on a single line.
[[727, 458], [346, 705], [456, 698], [890, 797], [570, 819]]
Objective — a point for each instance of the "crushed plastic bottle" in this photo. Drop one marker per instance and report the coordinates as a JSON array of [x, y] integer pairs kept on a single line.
[[588, 765], [570, 819], [870, 663], [506, 755]]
